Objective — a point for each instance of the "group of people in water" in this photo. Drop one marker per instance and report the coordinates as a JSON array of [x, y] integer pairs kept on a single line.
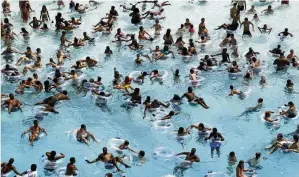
[[61, 77]]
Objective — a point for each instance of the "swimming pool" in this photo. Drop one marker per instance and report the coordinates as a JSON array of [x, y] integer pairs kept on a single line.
[[244, 135]]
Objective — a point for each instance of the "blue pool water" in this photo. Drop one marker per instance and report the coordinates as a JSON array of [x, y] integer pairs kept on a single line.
[[244, 135]]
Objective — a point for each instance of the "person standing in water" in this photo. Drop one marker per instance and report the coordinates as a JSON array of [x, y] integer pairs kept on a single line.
[[246, 30], [71, 168], [7, 167]]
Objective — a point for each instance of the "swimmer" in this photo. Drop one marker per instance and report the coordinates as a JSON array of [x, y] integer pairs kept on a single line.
[[63, 39], [192, 75], [202, 30], [274, 144], [265, 29], [135, 96], [225, 41], [248, 77], [54, 99], [143, 35], [255, 161], [36, 65], [252, 9], [89, 62], [241, 4], [157, 26], [232, 159], [236, 92], [168, 40], [281, 63], [154, 13], [200, 127], [108, 51], [168, 116], [277, 50], [7, 167], [234, 68], [71, 168], [255, 18], [125, 146], [285, 33], [233, 10], [215, 137], [190, 95], [224, 54], [77, 43], [24, 33], [35, 23], [292, 147], [75, 21], [292, 55], [152, 105], [246, 30], [240, 170], [268, 11], [35, 131], [256, 108], [44, 14], [108, 159], [251, 53], [267, 117], [51, 156], [190, 156], [181, 30], [28, 55], [291, 112], [108, 175], [12, 103], [82, 135], [289, 85]]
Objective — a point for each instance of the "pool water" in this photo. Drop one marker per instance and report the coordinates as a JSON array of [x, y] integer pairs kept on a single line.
[[244, 135]]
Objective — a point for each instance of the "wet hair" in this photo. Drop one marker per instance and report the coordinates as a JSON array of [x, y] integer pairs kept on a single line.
[[33, 167], [64, 92], [214, 130], [83, 126], [53, 154], [296, 138], [35, 122], [260, 100], [257, 155], [141, 153], [231, 87], [72, 159], [232, 154], [291, 103], [181, 130]]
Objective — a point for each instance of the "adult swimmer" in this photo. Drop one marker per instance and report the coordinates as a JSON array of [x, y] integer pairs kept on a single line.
[[168, 116], [190, 95], [255, 161], [52, 157], [256, 108], [279, 139], [224, 55], [71, 169], [35, 131], [135, 96], [152, 105], [265, 29], [268, 11], [7, 167], [246, 30], [108, 159], [236, 92], [89, 62], [200, 127], [240, 170], [291, 112], [285, 33], [281, 63], [12, 103], [292, 147], [58, 97], [82, 135], [125, 146], [215, 137], [267, 117], [190, 157]]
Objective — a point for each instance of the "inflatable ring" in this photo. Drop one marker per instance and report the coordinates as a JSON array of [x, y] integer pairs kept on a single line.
[[162, 125], [11, 78], [187, 58], [206, 44], [135, 75], [262, 67], [234, 76], [51, 166], [283, 149], [163, 153], [108, 166], [89, 86], [275, 123], [161, 78], [8, 174], [216, 174], [39, 113], [182, 163], [270, 54], [102, 99], [286, 117], [129, 103], [14, 109], [114, 143], [196, 83], [60, 172]]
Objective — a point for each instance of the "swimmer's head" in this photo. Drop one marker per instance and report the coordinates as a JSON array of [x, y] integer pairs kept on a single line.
[[73, 72], [148, 98], [231, 87], [126, 143], [286, 29], [53, 154], [141, 153], [234, 63], [72, 160], [253, 59], [190, 89], [227, 35], [112, 7], [144, 73], [181, 130], [64, 92], [235, 4], [35, 123], [105, 150], [136, 90], [28, 49], [202, 20], [268, 114], [193, 150], [157, 21], [246, 19], [171, 113], [250, 49], [291, 51], [202, 37], [260, 100], [257, 155], [278, 46], [187, 20], [99, 79], [252, 6], [214, 130], [295, 137], [11, 160], [279, 135], [191, 71], [11, 96], [191, 26], [201, 125], [232, 154], [224, 50], [35, 76], [182, 25], [33, 167], [141, 28], [177, 72], [232, 35], [269, 7], [290, 103], [102, 93], [83, 126]]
